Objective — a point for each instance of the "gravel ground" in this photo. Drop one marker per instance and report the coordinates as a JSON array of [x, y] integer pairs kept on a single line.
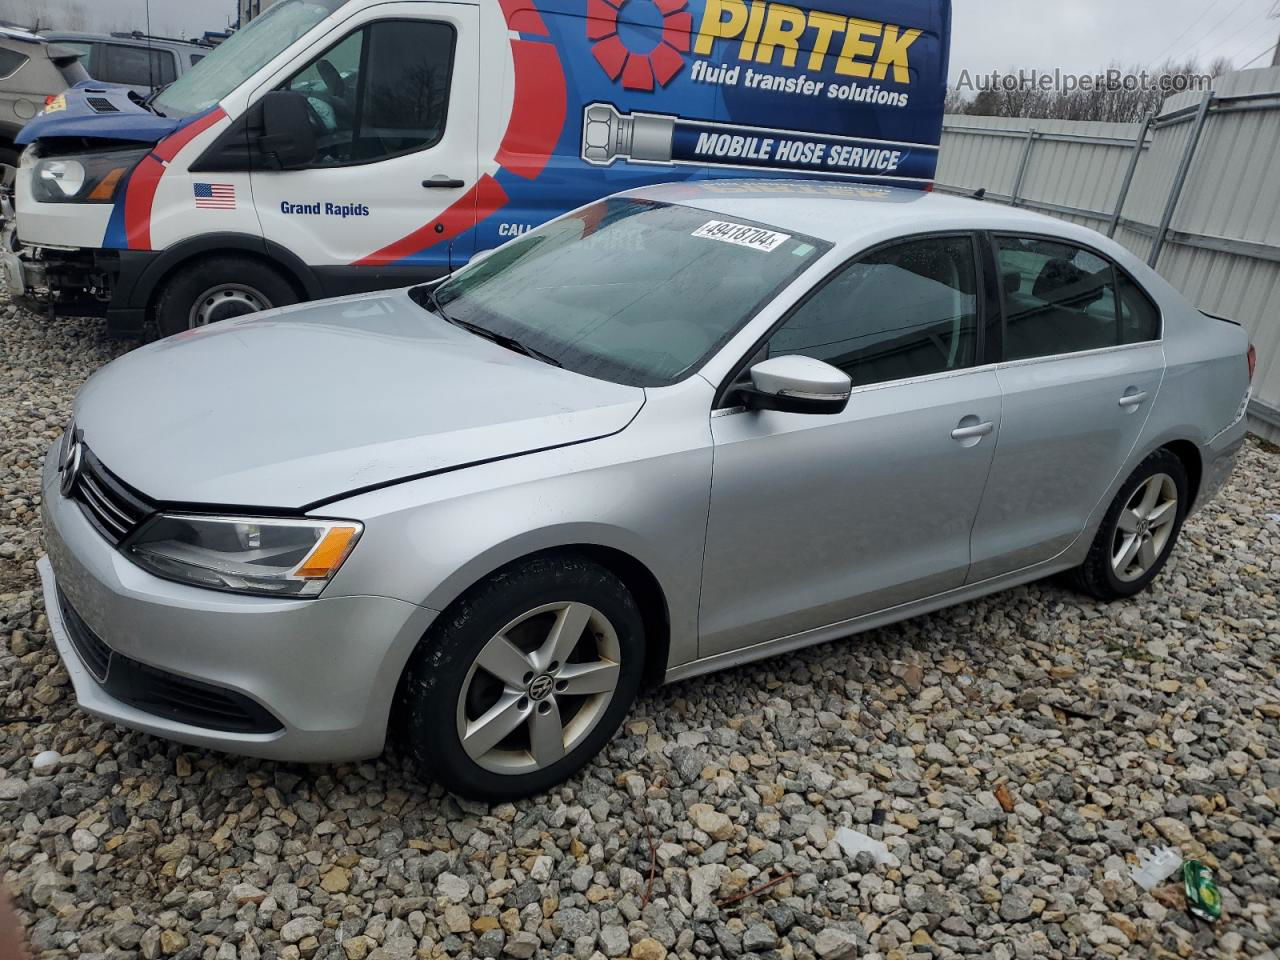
[[1013, 753]]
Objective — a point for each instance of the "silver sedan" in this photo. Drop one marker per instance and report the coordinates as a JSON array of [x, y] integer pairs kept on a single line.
[[673, 431]]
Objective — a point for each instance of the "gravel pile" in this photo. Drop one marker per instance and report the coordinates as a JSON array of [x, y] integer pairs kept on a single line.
[[1014, 754]]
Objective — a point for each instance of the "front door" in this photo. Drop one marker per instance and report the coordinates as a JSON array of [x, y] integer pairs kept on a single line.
[[393, 100], [1083, 365], [818, 519]]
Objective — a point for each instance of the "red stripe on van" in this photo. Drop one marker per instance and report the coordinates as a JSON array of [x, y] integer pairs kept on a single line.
[[537, 115], [486, 197], [523, 17], [145, 179]]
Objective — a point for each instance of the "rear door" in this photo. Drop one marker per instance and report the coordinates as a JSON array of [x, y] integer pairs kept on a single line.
[[1082, 365], [393, 98]]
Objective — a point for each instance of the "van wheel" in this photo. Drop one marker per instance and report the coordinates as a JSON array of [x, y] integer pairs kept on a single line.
[[1138, 533], [219, 288], [524, 679]]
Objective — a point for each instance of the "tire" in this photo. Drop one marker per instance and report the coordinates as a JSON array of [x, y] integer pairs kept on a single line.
[[8, 161], [219, 288], [1106, 574], [447, 691]]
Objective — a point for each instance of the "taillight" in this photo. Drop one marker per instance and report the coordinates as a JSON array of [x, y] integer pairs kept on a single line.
[[1253, 361]]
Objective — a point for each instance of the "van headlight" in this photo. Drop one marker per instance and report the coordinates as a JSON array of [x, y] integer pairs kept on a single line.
[[85, 178], [255, 555]]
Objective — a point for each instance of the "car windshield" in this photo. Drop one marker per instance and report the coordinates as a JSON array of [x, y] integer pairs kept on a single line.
[[628, 290], [242, 55]]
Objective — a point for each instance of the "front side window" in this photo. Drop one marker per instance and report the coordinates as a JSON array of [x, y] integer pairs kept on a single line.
[[904, 311], [379, 92], [242, 55], [1062, 299], [136, 66], [629, 290]]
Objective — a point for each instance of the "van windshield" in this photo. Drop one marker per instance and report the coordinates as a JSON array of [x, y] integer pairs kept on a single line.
[[627, 289], [241, 55]]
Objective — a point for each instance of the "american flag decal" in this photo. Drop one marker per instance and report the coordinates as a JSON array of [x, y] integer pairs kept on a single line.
[[215, 196]]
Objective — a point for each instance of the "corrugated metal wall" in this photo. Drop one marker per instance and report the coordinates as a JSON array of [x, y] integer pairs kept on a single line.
[[1223, 246]]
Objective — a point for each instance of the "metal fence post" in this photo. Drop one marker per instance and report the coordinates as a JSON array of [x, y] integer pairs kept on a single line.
[[1022, 168], [1180, 181], [1138, 146]]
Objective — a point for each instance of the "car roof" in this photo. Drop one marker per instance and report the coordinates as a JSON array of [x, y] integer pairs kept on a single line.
[[842, 212], [127, 39], [18, 33]]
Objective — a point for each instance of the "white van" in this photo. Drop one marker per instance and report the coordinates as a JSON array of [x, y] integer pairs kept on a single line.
[[333, 147]]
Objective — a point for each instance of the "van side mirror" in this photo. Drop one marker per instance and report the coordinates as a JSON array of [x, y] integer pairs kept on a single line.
[[798, 385], [288, 140]]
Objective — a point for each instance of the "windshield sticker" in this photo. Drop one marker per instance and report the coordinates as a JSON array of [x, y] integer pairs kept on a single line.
[[754, 238]]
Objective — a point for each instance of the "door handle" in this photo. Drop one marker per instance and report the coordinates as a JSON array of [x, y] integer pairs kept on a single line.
[[441, 182], [1131, 400], [975, 432]]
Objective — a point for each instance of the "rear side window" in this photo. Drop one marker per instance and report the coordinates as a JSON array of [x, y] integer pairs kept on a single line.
[[379, 92], [137, 66], [1139, 316], [10, 62], [196, 58], [1063, 299], [908, 310]]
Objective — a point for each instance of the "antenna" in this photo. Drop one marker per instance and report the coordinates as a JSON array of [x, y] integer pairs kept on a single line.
[[151, 60]]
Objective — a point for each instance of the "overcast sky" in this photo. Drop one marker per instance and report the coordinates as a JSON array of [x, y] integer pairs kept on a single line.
[[1076, 35]]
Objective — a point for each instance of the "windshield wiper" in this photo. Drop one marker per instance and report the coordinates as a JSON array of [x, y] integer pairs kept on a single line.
[[432, 302]]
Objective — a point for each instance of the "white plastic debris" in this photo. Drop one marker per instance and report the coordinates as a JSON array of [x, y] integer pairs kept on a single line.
[[853, 842], [1274, 517], [46, 762], [1155, 867]]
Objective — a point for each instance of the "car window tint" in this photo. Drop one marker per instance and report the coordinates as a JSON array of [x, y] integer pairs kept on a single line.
[[196, 58], [1058, 298], [904, 311], [1139, 316], [137, 66], [381, 91]]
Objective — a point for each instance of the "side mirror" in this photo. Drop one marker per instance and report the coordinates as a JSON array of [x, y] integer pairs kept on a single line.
[[288, 140], [798, 385]]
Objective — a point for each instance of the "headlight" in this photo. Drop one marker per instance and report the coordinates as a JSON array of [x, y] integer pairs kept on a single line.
[[88, 178], [279, 558]]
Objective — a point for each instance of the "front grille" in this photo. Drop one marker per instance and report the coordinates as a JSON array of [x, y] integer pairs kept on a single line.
[[101, 105], [95, 654], [164, 694], [107, 501]]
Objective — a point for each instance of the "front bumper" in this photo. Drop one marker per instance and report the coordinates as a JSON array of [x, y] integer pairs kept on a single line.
[[325, 669]]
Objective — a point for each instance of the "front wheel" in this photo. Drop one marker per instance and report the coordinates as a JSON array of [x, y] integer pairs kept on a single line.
[[1140, 529], [524, 680], [219, 288]]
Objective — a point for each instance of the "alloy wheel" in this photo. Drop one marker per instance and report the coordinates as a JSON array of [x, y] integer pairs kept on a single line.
[[1144, 527], [538, 688]]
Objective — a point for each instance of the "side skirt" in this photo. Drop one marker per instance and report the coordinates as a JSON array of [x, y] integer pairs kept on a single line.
[[870, 621]]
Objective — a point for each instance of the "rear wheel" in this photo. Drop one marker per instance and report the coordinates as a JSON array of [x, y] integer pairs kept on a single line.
[[1140, 529], [219, 288], [524, 680]]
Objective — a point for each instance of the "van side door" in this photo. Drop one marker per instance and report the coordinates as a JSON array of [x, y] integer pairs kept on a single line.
[[390, 196]]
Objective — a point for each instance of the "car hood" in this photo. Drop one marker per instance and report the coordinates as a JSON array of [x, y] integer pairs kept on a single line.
[[99, 111], [292, 407]]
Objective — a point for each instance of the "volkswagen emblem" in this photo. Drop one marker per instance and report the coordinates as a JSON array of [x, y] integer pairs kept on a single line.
[[541, 686], [69, 465]]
